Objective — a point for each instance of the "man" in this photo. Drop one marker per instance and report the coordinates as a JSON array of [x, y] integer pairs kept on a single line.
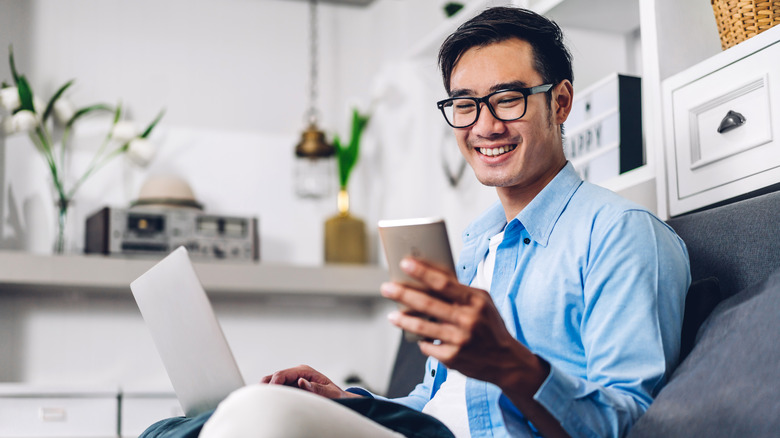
[[582, 322]]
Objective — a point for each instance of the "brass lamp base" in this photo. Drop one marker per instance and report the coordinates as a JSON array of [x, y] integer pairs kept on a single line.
[[345, 236]]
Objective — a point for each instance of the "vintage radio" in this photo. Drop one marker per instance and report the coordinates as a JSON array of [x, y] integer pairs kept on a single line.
[[160, 230]]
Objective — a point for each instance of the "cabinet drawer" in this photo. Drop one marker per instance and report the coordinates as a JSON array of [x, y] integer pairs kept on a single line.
[[722, 132], [58, 416]]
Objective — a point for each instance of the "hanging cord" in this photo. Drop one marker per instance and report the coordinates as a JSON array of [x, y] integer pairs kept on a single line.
[[313, 72]]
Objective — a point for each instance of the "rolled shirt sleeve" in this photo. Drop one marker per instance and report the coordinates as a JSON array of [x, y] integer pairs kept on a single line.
[[630, 328]]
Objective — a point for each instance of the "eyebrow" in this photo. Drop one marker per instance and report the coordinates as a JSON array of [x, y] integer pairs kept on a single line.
[[465, 92]]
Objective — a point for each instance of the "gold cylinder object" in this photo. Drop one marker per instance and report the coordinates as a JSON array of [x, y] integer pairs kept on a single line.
[[345, 235]]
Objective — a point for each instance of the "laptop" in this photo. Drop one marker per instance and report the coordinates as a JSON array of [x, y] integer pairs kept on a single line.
[[186, 332]]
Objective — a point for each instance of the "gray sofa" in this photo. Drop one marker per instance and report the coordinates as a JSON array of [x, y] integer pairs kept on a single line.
[[728, 385], [728, 380]]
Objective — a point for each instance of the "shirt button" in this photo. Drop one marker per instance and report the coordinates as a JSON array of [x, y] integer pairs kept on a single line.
[[433, 373], [526, 241]]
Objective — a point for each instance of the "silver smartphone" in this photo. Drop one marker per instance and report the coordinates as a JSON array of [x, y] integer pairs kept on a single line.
[[424, 239]]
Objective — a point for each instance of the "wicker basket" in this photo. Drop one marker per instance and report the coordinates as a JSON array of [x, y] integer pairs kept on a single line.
[[739, 20]]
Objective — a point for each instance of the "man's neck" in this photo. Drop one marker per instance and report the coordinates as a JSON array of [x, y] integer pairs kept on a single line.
[[514, 199]]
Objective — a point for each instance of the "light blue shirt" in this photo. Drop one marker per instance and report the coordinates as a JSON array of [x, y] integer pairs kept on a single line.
[[593, 284]]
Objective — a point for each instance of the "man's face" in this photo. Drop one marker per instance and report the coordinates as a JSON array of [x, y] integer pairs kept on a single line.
[[532, 152]]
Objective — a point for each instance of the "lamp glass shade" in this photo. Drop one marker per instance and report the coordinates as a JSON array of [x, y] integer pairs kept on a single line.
[[315, 177], [315, 165]]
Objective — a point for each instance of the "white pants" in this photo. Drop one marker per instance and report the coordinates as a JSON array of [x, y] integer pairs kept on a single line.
[[275, 411]]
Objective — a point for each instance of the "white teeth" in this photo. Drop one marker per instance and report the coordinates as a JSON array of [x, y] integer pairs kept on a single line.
[[494, 152]]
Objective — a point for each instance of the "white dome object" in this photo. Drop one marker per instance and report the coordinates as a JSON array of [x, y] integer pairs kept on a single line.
[[167, 191]]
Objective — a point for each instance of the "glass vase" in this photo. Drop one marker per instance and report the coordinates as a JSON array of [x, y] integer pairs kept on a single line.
[[61, 233]]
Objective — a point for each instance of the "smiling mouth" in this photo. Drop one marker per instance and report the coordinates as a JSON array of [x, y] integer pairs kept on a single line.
[[494, 152]]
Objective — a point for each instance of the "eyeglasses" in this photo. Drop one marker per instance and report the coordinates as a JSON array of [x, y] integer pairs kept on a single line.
[[505, 105]]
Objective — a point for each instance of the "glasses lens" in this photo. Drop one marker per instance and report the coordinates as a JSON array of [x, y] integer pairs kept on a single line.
[[508, 105], [463, 111], [460, 112]]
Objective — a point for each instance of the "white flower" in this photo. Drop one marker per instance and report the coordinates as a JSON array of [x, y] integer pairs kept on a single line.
[[9, 98], [124, 131], [141, 151], [39, 105], [63, 111], [23, 121]]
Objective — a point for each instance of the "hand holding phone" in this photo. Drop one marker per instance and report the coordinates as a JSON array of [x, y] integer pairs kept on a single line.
[[424, 239]]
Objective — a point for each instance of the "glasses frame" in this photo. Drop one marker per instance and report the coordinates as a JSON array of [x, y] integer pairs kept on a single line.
[[486, 100]]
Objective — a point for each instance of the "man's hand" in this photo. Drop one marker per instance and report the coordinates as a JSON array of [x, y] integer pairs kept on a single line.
[[473, 337], [308, 379]]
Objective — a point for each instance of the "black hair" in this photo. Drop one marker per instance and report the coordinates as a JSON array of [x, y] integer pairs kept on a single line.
[[552, 58]]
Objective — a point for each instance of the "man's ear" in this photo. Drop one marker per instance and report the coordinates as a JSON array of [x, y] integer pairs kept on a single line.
[[562, 99]]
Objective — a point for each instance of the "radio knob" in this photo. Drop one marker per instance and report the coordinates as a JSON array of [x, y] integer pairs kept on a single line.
[[218, 251]]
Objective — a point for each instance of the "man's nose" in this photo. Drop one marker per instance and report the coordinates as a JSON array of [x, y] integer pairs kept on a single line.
[[487, 124]]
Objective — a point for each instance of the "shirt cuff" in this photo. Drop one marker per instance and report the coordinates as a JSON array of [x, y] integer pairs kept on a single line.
[[556, 393], [359, 391]]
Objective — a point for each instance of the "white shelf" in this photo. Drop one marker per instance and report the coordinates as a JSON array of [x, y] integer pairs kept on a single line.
[[613, 16], [23, 272], [429, 45], [632, 178]]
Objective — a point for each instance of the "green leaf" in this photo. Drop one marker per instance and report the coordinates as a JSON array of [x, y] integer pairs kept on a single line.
[[84, 111], [452, 8], [347, 156], [153, 124], [13, 64], [118, 113], [341, 161], [25, 95], [54, 98]]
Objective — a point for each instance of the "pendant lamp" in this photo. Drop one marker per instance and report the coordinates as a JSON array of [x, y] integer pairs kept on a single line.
[[315, 164]]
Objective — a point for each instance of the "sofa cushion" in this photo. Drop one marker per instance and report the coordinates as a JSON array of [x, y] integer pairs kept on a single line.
[[729, 385], [408, 371], [703, 296], [739, 243]]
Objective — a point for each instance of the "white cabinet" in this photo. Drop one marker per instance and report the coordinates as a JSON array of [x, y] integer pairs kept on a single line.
[[721, 124], [54, 412], [57, 412]]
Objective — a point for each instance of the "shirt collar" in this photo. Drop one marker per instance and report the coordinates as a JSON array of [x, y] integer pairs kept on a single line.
[[489, 223], [538, 217], [541, 214]]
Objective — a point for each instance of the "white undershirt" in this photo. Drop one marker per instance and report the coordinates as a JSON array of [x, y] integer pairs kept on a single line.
[[449, 403]]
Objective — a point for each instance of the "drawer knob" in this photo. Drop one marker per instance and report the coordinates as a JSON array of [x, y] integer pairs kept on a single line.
[[732, 120]]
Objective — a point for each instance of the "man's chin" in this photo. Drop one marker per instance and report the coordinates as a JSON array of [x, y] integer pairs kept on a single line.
[[492, 181]]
